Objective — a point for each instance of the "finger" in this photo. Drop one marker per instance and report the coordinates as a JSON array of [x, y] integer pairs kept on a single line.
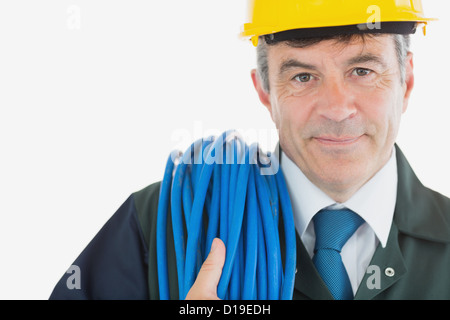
[[205, 286]]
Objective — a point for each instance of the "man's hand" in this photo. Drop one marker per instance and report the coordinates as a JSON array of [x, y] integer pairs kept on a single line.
[[205, 286]]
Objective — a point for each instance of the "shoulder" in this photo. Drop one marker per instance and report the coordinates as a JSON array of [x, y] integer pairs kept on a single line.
[[412, 191], [420, 211], [146, 203], [438, 203], [441, 200]]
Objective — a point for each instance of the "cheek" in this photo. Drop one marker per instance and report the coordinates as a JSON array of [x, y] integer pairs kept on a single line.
[[292, 115], [382, 111]]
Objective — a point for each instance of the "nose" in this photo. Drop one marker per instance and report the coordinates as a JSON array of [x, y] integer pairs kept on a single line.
[[336, 102]]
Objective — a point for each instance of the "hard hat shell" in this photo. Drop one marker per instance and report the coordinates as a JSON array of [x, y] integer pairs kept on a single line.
[[273, 16]]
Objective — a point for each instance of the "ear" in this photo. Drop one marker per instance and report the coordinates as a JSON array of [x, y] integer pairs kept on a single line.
[[409, 79], [264, 96]]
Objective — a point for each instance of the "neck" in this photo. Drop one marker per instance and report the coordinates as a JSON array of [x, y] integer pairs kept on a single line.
[[339, 194]]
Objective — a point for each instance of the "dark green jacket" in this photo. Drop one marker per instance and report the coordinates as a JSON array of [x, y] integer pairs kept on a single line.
[[415, 264]]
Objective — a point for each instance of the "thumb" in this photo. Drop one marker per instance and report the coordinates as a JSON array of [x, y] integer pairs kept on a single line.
[[205, 286]]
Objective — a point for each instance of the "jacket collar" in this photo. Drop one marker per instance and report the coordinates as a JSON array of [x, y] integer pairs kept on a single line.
[[420, 212]]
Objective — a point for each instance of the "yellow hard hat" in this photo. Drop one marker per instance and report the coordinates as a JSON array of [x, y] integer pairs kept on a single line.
[[269, 17]]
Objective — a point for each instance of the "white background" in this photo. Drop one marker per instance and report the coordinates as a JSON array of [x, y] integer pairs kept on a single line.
[[94, 95]]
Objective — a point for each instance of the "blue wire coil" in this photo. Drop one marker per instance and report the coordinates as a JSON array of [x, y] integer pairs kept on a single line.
[[220, 187]]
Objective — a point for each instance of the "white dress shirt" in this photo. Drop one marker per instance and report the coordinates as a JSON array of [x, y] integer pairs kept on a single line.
[[374, 202]]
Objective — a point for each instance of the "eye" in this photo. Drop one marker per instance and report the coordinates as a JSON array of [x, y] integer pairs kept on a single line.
[[303, 77], [361, 72]]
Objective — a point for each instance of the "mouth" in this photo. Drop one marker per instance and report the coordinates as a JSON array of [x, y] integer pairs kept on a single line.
[[337, 141]]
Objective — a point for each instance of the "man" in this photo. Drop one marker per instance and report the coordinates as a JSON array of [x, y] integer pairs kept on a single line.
[[336, 91]]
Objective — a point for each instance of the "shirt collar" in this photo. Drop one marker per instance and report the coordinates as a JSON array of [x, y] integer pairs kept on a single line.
[[307, 199]]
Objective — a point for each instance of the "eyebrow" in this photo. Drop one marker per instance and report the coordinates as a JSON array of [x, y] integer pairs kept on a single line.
[[294, 64], [368, 57]]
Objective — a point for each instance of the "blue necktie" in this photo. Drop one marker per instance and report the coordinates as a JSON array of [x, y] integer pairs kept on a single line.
[[333, 229]]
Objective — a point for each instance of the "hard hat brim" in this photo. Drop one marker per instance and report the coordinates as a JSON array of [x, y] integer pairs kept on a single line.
[[396, 27]]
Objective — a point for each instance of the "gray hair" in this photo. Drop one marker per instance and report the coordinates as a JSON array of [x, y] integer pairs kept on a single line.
[[402, 46]]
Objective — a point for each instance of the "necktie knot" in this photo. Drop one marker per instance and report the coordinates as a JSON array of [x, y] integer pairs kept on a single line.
[[334, 227]]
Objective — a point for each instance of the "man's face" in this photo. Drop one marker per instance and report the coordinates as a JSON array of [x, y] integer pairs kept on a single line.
[[337, 107]]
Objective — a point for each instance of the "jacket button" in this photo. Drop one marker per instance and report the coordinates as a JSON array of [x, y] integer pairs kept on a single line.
[[389, 272]]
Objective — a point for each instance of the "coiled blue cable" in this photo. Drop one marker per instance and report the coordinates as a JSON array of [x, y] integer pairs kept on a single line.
[[217, 188]]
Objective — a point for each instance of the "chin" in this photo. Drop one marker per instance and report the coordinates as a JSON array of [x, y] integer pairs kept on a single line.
[[343, 175]]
